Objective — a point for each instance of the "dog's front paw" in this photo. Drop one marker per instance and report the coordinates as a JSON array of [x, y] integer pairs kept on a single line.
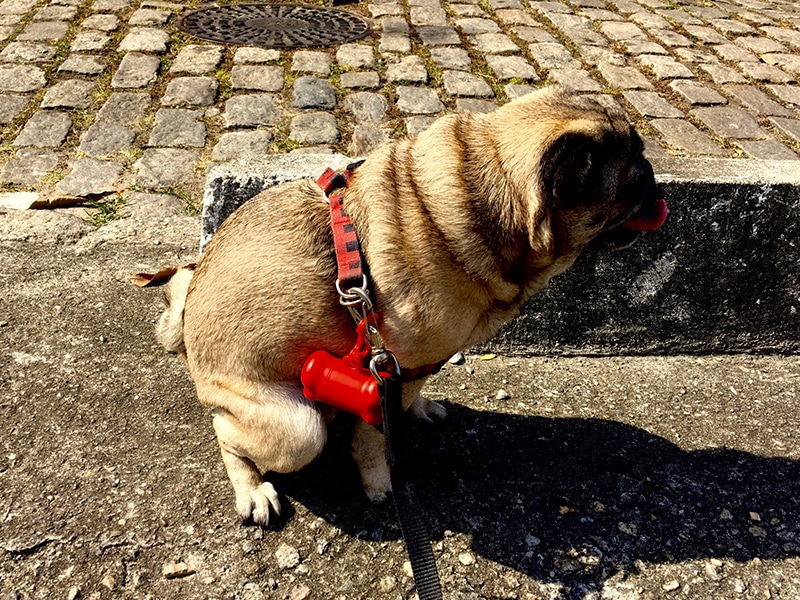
[[427, 411], [256, 504]]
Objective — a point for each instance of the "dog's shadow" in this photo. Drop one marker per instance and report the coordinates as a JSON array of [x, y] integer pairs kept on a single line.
[[574, 500]]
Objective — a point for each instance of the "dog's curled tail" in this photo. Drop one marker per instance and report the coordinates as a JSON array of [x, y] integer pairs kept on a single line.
[[169, 330]]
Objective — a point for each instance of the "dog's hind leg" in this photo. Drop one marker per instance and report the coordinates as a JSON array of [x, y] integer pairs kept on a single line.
[[262, 428]]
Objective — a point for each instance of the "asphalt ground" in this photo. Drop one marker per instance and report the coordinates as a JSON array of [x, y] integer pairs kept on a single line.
[[586, 478]]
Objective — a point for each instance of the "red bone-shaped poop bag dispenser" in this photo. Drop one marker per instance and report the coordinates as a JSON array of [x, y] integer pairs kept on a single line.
[[344, 383]]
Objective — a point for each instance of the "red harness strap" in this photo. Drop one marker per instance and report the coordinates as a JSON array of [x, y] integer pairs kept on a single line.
[[345, 239], [348, 249]]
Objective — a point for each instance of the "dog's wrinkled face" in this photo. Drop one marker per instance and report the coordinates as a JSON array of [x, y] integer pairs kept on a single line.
[[602, 189]]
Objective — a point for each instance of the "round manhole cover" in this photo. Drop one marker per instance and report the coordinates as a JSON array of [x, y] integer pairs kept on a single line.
[[275, 25]]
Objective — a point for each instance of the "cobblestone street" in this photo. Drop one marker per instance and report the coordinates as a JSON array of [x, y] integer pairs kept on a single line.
[[104, 96]]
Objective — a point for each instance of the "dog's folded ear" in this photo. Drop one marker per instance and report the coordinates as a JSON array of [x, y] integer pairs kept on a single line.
[[572, 170]]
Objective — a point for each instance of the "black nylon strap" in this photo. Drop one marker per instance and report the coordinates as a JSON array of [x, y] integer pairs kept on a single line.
[[409, 511]]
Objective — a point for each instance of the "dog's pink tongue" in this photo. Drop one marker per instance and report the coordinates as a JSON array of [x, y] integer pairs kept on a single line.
[[650, 220]]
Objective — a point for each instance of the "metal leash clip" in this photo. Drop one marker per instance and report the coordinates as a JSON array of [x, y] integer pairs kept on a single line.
[[361, 308]]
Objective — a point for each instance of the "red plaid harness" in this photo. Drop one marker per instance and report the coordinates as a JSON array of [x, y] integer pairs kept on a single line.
[[351, 266]]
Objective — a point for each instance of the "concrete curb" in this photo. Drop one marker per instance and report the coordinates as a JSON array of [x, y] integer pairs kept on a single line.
[[723, 274]]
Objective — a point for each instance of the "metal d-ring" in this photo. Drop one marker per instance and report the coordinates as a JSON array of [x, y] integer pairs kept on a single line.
[[381, 358]]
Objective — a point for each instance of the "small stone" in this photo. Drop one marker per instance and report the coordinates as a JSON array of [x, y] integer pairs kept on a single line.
[[177, 127], [144, 39], [577, 80], [315, 128], [395, 42], [163, 167], [287, 557], [466, 558], [83, 64], [104, 137], [418, 100], [622, 31], [44, 31], [135, 71], [29, 166], [251, 110], [175, 570], [21, 78], [28, 52], [428, 16], [438, 36], [125, 108], [628, 528], [11, 106], [86, 41], [101, 22], [255, 55], [474, 26], [767, 73], [650, 104], [451, 58], [45, 129], [149, 17], [312, 92], [729, 122], [457, 359], [73, 593], [257, 77], [725, 515], [241, 144], [312, 62], [459, 83], [553, 56], [387, 584], [502, 395], [197, 91], [757, 531], [671, 586], [366, 106], [300, 592], [72, 93], [532, 541], [722, 74], [669, 38], [495, 43], [511, 67], [355, 56], [196, 59], [739, 586], [665, 67], [360, 79], [697, 93], [56, 13], [410, 69], [624, 78], [788, 127], [90, 177], [469, 369], [385, 9], [407, 570]]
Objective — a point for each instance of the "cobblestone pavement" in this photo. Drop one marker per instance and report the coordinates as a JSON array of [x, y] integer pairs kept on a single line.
[[107, 95]]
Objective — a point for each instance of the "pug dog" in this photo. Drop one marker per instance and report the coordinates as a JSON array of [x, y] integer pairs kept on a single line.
[[458, 228]]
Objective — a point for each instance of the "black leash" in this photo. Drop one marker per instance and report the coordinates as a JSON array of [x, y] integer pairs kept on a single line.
[[409, 511]]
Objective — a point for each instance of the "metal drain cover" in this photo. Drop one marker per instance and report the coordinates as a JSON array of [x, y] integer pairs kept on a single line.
[[275, 25]]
